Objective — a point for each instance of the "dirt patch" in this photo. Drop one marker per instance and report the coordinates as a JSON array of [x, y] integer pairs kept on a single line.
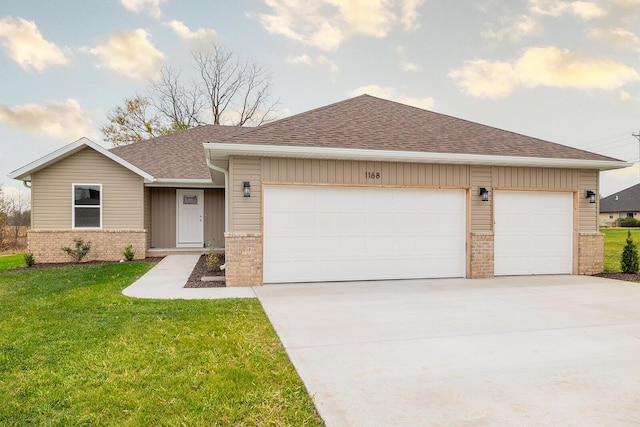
[[627, 277], [202, 270]]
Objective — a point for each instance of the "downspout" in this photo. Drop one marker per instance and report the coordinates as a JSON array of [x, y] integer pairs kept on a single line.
[[25, 184], [226, 191]]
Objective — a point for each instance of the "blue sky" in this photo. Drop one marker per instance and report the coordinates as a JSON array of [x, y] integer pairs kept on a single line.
[[564, 71]]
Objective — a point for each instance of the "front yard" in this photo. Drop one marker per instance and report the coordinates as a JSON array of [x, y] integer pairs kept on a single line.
[[75, 351], [614, 241]]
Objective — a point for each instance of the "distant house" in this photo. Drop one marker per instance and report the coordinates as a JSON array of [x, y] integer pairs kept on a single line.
[[623, 204], [362, 189]]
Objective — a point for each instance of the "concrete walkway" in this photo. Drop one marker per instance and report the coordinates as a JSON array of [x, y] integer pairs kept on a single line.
[[166, 281]]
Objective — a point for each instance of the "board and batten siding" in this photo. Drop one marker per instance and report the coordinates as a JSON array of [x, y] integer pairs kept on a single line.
[[147, 215], [245, 211], [52, 194], [163, 217]]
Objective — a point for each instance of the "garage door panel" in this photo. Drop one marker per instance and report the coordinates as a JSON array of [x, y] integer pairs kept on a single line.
[[364, 233], [533, 232]]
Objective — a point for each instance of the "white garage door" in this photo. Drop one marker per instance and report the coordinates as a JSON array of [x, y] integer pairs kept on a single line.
[[533, 233], [314, 234]]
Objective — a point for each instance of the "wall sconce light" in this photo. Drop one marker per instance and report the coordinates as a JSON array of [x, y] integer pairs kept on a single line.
[[591, 196], [246, 189], [484, 193]]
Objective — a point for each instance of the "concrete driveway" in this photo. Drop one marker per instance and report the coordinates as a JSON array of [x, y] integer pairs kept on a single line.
[[548, 350]]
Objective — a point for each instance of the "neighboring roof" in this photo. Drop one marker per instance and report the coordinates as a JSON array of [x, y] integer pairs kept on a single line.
[[627, 200], [24, 173], [369, 123], [176, 156]]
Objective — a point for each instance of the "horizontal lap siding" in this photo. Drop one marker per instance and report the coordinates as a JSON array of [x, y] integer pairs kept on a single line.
[[122, 192], [588, 219], [481, 214]]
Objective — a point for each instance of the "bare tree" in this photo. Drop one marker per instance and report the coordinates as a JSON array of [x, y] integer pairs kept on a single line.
[[228, 90]]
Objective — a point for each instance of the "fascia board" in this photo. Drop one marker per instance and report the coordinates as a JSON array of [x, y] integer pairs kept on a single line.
[[226, 149]]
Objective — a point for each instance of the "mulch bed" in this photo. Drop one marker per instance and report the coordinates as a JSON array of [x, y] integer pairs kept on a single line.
[[627, 277], [202, 269], [44, 265]]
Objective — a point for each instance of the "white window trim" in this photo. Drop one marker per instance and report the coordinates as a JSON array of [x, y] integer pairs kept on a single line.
[[73, 207]]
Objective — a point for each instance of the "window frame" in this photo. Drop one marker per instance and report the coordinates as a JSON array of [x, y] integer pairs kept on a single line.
[[74, 206]]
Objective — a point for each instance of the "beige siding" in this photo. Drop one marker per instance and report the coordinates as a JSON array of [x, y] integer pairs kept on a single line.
[[122, 192], [147, 215], [588, 217], [163, 217], [245, 211], [358, 173], [534, 178], [481, 212], [214, 217]]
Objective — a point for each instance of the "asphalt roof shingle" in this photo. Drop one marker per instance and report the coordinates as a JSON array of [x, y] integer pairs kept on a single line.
[[363, 122], [627, 200]]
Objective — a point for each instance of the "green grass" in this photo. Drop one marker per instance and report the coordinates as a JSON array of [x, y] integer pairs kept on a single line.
[[9, 262], [75, 351], [614, 241]]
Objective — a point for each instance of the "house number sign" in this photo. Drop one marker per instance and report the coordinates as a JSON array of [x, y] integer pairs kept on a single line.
[[372, 175]]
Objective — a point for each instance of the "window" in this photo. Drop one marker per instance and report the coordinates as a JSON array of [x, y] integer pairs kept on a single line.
[[610, 216], [87, 206], [628, 215]]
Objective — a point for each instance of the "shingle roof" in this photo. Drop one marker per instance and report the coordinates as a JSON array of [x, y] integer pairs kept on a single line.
[[179, 155], [627, 200], [363, 122], [367, 122]]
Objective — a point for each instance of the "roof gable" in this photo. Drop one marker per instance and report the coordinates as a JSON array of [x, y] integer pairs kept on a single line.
[[367, 122], [627, 200], [24, 173]]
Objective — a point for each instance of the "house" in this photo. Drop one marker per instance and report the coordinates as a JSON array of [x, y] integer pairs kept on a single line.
[[362, 189], [623, 204]]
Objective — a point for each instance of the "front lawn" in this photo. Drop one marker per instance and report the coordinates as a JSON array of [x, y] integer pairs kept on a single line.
[[75, 351], [614, 241], [8, 262]]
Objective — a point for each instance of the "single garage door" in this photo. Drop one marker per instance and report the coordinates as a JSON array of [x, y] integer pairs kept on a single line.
[[327, 233], [533, 233]]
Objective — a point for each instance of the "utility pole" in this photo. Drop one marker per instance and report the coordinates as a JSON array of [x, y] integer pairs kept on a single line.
[[637, 135]]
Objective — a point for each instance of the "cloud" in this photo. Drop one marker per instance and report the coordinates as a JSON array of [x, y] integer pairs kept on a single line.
[[26, 46], [60, 120], [394, 95], [131, 54], [300, 59], [201, 34], [151, 6], [320, 60], [583, 9], [516, 28], [617, 37], [325, 24], [409, 66], [548, 66]]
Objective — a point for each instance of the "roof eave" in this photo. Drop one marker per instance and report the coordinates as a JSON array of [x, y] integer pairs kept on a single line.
[[24, 173], [184, 182], [223, 150]]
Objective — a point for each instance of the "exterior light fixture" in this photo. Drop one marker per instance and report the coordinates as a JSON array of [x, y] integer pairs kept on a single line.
[[246, 189], [591, 196], [484, 193]]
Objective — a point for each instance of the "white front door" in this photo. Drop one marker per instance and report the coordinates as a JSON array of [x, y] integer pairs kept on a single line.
[[189, 218]]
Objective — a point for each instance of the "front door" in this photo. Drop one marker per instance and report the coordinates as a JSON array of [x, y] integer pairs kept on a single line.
[[190, 213]]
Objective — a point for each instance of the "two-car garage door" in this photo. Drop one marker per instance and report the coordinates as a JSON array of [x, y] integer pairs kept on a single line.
[[331, 233]]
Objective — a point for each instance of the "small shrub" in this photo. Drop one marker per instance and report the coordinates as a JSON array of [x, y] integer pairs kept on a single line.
[[29, 259], [81, 250], [628, 222], [212, 257], [629, 261], [129, 253]]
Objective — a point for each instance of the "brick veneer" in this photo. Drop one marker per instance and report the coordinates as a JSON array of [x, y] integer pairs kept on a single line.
[[482, 258], [106, 245], [243, 256], [590, 253]]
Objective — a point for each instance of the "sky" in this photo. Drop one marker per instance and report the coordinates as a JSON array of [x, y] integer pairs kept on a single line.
[[563, 71]]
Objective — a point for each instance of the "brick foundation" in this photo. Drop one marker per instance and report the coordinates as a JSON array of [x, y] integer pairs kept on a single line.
[[482, 258], [106, 245], [590, 253], [243, 257]]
